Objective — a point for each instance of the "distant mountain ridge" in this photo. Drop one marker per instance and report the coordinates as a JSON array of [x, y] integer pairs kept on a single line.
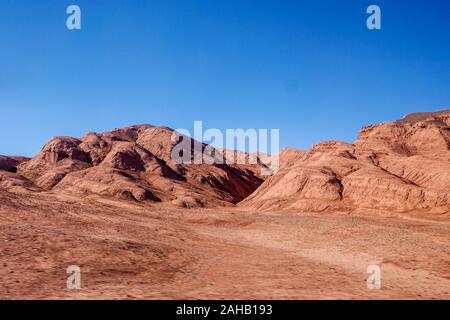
[[395, 167], [131, 163]]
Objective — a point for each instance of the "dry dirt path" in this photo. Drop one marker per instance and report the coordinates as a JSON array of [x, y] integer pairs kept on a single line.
[[129, 251], [336, 250]]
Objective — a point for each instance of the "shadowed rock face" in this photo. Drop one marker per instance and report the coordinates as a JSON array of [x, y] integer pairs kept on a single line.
[[8, 164], [131, 163], [9, 179], [394, 167]]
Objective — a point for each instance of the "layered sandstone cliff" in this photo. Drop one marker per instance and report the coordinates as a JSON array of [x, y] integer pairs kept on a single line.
[[394, 167]]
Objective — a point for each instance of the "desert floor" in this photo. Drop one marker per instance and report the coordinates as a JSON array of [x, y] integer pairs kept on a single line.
[[129, 251]]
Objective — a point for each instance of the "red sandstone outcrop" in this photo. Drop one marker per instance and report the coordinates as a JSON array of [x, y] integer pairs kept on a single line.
[[394, 167], [133, 163]]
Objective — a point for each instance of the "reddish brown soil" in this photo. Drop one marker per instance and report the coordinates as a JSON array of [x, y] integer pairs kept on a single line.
[[130, 251]]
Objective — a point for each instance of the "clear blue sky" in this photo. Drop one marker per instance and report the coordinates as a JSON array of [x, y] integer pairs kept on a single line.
[[310, 68]]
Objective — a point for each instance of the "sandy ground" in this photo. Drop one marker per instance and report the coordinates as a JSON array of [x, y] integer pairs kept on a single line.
[[129, 251]]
